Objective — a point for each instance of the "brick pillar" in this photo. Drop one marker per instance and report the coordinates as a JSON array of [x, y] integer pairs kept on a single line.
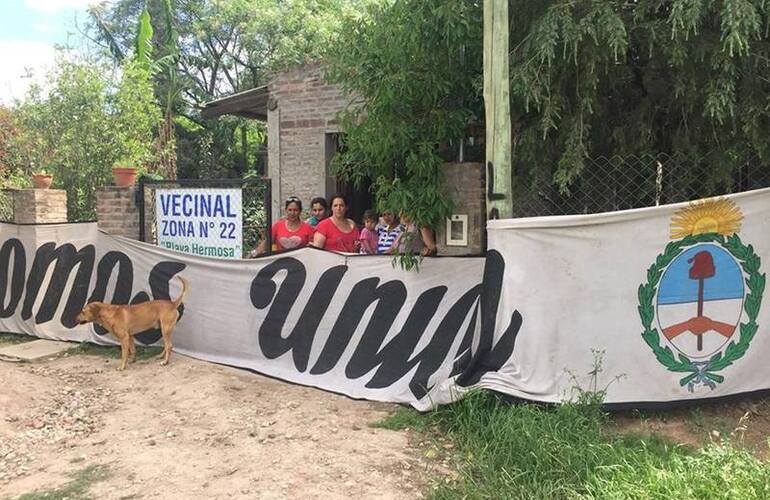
[[39, 206], [465, 186], [116, 211]]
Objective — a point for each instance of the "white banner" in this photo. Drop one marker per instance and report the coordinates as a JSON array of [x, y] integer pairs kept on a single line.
[[205, 222], [671, 298], [349, 324]]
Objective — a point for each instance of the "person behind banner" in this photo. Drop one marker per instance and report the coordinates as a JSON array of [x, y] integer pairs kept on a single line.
[[290, 232], [337, 233], [414, 239], [318, 211], [387, 232], [369, 235]]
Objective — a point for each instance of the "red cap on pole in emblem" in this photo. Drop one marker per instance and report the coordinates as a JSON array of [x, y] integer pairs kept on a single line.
[[702, 266]]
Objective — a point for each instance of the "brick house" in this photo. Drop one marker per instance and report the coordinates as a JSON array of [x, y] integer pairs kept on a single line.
[[303, 133]]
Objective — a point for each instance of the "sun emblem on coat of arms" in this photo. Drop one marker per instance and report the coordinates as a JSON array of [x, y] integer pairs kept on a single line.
[[702, 296]]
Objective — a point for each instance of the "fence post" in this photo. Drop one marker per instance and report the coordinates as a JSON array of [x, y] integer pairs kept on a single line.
[[140, 201], [268, 204]]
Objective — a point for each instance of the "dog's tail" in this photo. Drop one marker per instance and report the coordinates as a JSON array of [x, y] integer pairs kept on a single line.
[[184, 291]]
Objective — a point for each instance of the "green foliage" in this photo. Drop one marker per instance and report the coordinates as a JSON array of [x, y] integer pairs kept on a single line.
[[413, 65], [83, 125], [138, 116], [587, 78], [67, 133], [223, 47], [566, 451], [143, 48], [613, 77]]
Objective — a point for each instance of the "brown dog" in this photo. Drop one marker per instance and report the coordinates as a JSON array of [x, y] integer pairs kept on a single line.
[[125, 321]]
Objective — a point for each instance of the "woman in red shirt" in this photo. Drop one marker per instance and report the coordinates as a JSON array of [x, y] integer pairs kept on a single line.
[[290, 232], [337, 233]]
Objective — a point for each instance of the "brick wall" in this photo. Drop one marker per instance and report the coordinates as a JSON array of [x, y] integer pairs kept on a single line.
[[308, 108], [116, 211], [39, 206], [465, 186]]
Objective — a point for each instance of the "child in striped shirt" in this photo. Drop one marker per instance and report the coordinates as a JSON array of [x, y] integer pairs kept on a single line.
[[388, 231]]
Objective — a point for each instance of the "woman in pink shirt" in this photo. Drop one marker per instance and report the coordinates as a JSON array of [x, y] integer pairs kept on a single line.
[[337, 233]]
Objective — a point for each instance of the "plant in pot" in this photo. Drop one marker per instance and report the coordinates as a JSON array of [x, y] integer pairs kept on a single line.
[[41, 179], [124, 172]]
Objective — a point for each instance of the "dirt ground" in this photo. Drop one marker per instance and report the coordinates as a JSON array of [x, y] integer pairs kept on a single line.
[[195, 430], [744, 422]]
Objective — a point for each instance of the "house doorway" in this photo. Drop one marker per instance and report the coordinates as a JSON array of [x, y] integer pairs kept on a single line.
[[359, 196]]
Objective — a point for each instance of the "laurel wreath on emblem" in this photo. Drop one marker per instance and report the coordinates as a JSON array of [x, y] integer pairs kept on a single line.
[[703, 372]]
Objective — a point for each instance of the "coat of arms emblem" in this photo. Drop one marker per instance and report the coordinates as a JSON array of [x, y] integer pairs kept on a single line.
[[703, 293]]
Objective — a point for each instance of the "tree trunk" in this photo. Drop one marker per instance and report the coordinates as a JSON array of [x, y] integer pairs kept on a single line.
[[167, 147]]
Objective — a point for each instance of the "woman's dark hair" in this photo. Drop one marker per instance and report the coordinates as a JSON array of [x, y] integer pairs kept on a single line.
[[320, 201], [340, 196], [293, 199]]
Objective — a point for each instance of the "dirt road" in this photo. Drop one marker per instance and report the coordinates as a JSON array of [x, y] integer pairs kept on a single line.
[[194, 430]]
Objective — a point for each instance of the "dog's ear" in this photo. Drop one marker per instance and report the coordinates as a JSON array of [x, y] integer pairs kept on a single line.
[[95, 308]]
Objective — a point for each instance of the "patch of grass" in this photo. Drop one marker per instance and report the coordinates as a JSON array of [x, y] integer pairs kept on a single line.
[[568, 451], [77, 489], [113, 352], [403, 418], [15, 338]]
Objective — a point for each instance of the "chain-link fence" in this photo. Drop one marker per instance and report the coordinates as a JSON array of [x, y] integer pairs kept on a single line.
[[255, 206], [624, 182], [6, 205]]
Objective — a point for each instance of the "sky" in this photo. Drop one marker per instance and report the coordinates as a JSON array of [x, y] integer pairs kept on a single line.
[[31, 29]]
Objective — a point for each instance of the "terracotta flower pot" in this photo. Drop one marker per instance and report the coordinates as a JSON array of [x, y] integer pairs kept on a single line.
[[42, 181], [124, 176]]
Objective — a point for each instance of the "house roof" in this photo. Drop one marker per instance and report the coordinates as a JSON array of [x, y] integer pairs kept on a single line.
[[248, 104]]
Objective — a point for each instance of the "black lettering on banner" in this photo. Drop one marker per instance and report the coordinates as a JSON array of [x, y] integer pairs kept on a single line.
[[66, 259], [489, 358], [160, 277], [12, 278], [300, 341], [263, 293], [397, 357], [452, 323], [124, 282], [390, 297]]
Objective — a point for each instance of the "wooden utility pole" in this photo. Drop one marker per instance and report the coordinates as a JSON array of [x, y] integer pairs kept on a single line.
[[497, 108]]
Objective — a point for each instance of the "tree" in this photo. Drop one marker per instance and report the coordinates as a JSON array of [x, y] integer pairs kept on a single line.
[[66, 133], [138, 118], [615, 77], [224, 47], [83, 125], [416, 67], [587, 78], [9, 135]]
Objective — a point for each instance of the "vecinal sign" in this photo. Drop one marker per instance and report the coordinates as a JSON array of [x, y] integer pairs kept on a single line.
[[200, 222]]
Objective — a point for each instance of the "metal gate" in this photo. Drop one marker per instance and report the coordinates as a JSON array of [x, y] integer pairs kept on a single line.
[[256, 206]]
